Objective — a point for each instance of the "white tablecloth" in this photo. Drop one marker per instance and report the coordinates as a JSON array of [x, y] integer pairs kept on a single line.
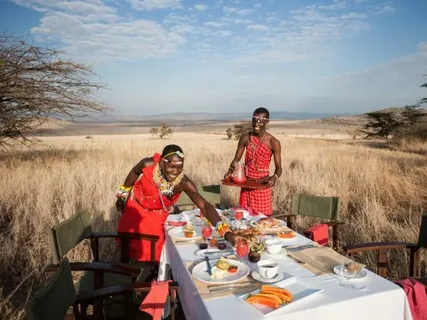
[[381, 299]]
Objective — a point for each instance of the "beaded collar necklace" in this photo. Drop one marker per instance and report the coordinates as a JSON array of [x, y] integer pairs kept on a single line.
[[165, 187]]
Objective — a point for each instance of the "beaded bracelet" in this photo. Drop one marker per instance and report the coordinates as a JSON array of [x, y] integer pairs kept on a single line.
[[123, 192]]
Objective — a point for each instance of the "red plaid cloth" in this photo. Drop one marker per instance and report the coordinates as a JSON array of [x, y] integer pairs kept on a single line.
[[257, 159]]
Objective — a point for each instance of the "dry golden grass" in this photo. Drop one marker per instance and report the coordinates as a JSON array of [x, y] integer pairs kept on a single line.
[[382, 192]]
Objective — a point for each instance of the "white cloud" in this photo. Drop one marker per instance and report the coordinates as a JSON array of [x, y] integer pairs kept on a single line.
[[245, 12], [257, 27], [213, 24], [201, 7], [229, 10], [385, 9], [155, 4]]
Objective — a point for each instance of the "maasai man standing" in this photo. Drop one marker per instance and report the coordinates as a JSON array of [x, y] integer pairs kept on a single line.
[[260, 146]]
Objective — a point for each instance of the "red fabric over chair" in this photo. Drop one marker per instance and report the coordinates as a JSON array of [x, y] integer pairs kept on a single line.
[[318, 233], [417, 298]]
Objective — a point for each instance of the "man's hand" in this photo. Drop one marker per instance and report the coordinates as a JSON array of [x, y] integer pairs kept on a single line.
[[231, 237], [120, 205], [269, 181], [229, 173]]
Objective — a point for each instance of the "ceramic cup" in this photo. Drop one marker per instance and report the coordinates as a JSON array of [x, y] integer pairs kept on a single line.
[[273, 246], [268, 268]]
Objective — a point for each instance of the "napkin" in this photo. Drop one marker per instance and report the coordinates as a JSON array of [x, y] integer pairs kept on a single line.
[[176, 223], [318, 233], [417, 298], [155, 301], [186, 217]]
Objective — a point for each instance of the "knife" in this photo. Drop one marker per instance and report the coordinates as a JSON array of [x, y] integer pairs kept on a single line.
[[234, 287], [300, 248], [208, 265], [218, 252]]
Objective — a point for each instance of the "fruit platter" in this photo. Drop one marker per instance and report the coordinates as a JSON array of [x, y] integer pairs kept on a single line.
[[276, 299]]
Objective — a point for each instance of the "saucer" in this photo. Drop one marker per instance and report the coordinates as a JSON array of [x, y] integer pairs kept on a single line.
[[280, 276]]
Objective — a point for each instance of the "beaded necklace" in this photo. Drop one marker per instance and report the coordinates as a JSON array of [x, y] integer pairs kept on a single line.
[[165, 187]]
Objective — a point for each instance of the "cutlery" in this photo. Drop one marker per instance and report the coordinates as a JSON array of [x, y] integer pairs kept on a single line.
[[218, 252], [299, 248], [250, 288], [187, 241], [208, 265], [213, 286]]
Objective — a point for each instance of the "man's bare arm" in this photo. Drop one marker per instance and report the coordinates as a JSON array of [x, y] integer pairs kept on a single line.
[[136, 171], [277, 153]]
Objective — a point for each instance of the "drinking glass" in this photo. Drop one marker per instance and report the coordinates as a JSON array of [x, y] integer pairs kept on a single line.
[[206, 232], [350, 270], [238, 215], [242, 248]]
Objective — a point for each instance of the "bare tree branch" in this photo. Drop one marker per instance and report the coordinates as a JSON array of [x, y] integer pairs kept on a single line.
[[36, 85]]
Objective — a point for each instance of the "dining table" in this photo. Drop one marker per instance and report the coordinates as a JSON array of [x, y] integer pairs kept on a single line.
[[372, 297]]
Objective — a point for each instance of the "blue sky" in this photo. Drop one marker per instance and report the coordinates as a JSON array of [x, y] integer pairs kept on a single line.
[[161, 56]]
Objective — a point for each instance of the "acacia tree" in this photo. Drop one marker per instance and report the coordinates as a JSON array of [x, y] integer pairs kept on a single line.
[[229, 133], [38, 85], [162, 131], [380, 124], [241, 128]]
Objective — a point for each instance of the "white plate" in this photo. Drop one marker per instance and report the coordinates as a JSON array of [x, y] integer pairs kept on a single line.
[[200, 272], [279, 277], [299, 289], [178, 233], [254, 224], [360, 276]]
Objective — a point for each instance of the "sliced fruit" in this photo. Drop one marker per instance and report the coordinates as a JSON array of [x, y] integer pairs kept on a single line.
[[263, 300], [280, 290], [270, 296], [282, 296]]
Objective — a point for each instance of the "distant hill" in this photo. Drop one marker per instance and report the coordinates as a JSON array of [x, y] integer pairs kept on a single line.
[[209, 117]]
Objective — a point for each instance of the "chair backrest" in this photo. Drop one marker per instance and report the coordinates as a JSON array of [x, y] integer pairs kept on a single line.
[[53, 301], [316, 206], [211, 193], [422, 236], [69, 233]]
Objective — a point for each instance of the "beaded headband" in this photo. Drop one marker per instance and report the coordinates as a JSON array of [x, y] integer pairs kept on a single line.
[[178, 153]]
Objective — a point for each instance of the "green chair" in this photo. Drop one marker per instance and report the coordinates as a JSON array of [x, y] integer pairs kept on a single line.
[[324, 208], [383, 248], [212, 194], [69, 233], [54, 300]]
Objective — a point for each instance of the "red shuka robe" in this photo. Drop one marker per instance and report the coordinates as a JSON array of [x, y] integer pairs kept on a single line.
[[257, 159], [144, 213]]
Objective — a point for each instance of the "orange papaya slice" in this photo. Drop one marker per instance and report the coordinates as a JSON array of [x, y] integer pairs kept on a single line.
[[270, 296], [263, 300], [277, 289], [282, 296]]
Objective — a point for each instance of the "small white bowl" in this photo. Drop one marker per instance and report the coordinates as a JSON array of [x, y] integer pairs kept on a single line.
[[273, 246]]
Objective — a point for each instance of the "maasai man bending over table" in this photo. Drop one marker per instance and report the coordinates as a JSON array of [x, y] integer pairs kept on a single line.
[[148, 195], [260, 146]]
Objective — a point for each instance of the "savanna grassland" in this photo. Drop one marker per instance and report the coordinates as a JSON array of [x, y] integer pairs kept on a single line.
[[383, 192]]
